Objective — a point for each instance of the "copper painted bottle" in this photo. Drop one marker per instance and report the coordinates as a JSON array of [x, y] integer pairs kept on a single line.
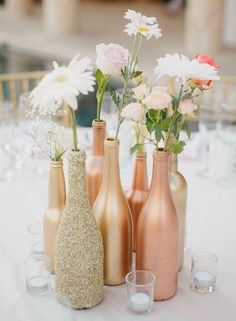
[[114, 219], [94, 164], [158, 231], [139, 189], [178, 186], [52, 216]]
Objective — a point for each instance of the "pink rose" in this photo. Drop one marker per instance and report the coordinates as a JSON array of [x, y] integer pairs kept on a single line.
[[134, 112], [111, 58], [187, 107], [158, 98], [205, 60]]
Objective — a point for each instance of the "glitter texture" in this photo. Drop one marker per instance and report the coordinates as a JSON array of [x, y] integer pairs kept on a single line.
[[79, 248]]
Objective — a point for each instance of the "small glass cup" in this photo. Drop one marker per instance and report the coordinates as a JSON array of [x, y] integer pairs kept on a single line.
[[36, 238], [37, 274], [203, 272], [140, 291]]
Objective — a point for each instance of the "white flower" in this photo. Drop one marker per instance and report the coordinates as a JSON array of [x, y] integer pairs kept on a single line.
[[146, 26], [63, 84], [134, 112], [187, 107], [141, 92], [179, 66], [54, 140]]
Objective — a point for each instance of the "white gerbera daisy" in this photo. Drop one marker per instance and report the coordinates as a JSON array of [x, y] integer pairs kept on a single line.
[[63, 84], [179, 66], [146, 26]]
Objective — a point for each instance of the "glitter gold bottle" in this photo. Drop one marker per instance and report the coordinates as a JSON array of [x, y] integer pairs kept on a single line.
[[114, 219], [94, 163], [52, 216], [158, 231], [79, 248], [178, 186], [139, 189]]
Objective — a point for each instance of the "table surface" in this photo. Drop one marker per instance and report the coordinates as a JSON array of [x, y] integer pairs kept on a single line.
[[211, 226]]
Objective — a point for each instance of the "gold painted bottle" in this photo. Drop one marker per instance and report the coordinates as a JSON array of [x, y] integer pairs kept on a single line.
[[79, 248], [178, 186], [114, 219], [52, 216], [139, 189], [158, 231], [94, 164]]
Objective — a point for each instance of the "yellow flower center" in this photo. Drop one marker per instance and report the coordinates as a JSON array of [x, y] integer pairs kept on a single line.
[[143, 29], [61, 78]]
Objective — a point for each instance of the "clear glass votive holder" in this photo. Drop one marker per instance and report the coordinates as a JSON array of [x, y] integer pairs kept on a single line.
[[140, 291], [203, 272], [37, 275], [36, 238]]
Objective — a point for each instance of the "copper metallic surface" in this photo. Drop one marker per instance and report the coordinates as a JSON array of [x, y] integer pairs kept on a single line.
[[52, 216], [139, 189], [178, 186], [114, 219], [158, 231], [95, 163]]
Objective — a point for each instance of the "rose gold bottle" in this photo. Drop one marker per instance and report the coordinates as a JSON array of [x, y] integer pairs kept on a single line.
[[178, 186], [158, 231], [139, 189], [94, 164], [52, 216], [114, 219]]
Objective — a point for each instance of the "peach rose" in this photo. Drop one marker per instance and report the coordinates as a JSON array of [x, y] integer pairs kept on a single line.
[[202, 59], [158, 98]]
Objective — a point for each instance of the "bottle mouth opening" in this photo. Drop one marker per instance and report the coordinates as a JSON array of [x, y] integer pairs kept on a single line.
[[112, 142], [99, 123]]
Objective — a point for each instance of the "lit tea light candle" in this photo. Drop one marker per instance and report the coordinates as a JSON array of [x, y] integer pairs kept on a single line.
[[140, 302], [203, 279]]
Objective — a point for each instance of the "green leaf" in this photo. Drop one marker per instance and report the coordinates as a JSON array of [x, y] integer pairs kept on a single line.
[[99, 76], [115, 96], [165, 124], [136, 74], [149, 125], [136, 147], [158, 133], [186, 128], [152, 113], [177, 148]]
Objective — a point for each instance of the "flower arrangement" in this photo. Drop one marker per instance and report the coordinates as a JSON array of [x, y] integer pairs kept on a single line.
[[113, 60], [193, 78], [63, 85]]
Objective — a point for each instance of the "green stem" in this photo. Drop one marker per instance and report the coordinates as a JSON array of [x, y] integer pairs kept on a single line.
[[74, 129], [169, 131], [100, 94]]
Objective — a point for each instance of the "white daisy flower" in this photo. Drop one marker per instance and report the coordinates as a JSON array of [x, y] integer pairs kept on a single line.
[[63, 84], [179, 66], [146, 26]]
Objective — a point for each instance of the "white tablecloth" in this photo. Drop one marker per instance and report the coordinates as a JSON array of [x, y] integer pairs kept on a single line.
[[211, 226]]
